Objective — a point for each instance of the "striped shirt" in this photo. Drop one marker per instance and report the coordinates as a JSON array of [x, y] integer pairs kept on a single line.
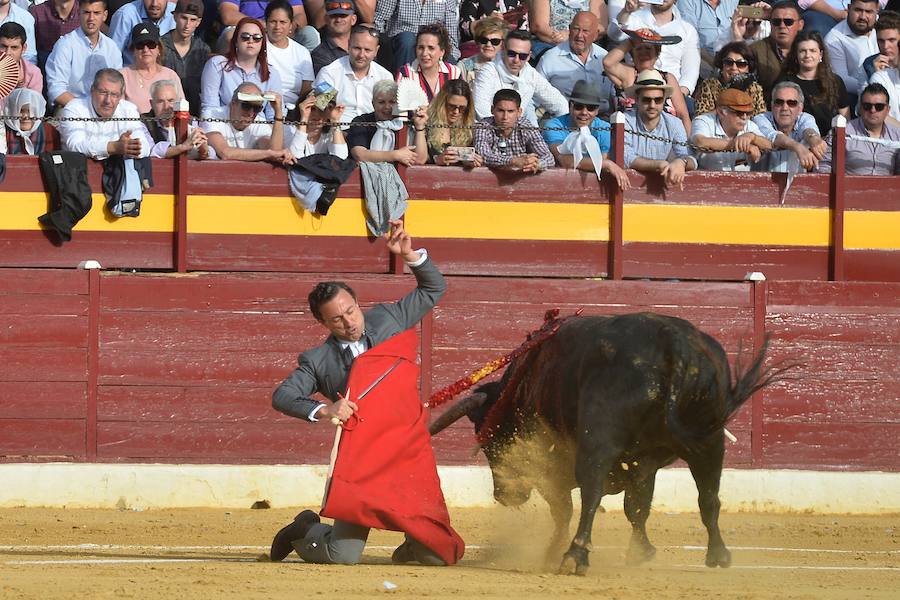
[[446, 72], [396, 16]]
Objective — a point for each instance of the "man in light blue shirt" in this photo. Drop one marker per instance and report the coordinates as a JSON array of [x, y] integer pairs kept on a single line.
[[78, 55], [711, 18], [668, 156], [791, 130], [10, 13], [578, 58], [158, 12]]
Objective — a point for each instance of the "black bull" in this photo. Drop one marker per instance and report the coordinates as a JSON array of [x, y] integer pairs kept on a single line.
[[603, 405]]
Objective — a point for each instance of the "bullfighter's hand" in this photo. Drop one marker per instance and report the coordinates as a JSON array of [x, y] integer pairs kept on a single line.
[[341, 410], [399, 242]]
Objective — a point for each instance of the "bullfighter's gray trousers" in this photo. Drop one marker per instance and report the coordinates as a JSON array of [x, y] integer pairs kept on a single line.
[[343, 544]]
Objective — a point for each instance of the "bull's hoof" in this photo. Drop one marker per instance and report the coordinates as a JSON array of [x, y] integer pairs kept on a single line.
[[640, 553], [574, 562], [718, 557]]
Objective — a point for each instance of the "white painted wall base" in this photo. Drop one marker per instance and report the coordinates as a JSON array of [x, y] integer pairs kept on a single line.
[[151, 486]]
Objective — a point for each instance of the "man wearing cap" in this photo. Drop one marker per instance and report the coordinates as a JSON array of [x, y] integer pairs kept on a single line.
[[667, 155], [158, 12], [354, 76], [578, 58], [510, 69], [730, 139], [508, 141], [78, 55], [186, 53], [240, 132], [102, 139], [340, 17], [681, 59], [584, 106], [791, 130]]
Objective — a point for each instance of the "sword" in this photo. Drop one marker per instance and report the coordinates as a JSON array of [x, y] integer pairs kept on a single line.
[[371, 387]]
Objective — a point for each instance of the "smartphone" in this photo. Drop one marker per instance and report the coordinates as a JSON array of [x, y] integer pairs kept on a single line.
[[752, 12], [465, 153]]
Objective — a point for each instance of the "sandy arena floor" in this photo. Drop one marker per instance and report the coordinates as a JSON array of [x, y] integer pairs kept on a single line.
[[212, 554]]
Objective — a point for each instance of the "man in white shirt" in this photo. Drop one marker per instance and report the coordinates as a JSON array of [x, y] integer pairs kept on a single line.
[[354, 76], [887, 33], [79, 54], [510, 69], [682, 59], [851, 42], [102, 139], [578, 59], [730, 139], [239, 131]]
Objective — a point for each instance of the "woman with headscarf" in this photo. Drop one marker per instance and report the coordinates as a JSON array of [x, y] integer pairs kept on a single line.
[[246, 60], [25, 132]]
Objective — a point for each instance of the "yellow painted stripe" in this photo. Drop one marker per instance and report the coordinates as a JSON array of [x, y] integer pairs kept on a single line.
[[876, 230], [671, 223], [508, 220], [271, 215], [21, 210]]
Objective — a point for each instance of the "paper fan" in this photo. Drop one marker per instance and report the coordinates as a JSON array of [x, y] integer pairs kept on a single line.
[[651, 37], [410, 95], [9, 74]]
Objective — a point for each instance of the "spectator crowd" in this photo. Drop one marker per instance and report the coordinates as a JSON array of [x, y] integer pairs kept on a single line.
[[724, 85]]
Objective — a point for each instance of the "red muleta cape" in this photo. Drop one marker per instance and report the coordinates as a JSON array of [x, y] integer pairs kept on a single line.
[[385, 475]]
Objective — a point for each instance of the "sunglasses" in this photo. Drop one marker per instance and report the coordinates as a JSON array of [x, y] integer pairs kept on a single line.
[[782, 102], [653, 100], [745, 114], [256, 37], [363, 28], [251, 106], [338, 6], [730, 62], [590, 107], [519, 55], [148, 44], [785, 22], [457, 107], [876, 106], [485, 40]]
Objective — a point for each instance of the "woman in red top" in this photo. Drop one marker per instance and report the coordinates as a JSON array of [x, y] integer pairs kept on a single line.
[[430, 69]]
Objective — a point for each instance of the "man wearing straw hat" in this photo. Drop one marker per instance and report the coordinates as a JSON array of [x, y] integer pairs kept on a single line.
[[730, 139], [667, 156]]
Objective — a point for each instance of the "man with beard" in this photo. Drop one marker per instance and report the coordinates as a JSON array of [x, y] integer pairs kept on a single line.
[[682, 59], [510, 69], [790, 129], [578, 59], [771, 51], [851, 41], [161, 125], [240, 133], [158, 12], [354, 76], [664, 153], [873, 146], [584, 106]]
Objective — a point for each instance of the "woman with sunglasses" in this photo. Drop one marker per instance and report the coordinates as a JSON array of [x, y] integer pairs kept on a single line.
[[429, 69], [513, 13], [146, 66], [450, 118], [644, 56], [737, 69], [807, 65], [488, 34], [246, 61]]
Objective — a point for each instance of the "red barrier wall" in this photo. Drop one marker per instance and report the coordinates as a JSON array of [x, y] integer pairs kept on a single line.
[[116, 367]]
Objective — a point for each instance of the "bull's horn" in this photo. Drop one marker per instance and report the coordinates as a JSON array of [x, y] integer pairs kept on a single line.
[[456, 412]]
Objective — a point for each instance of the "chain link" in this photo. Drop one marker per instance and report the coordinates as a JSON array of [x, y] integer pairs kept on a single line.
[[477, 125]]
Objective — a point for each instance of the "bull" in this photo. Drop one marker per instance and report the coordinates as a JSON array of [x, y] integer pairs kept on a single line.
[[602, 406]]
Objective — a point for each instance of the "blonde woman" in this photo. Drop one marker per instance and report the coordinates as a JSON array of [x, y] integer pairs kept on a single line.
[[450, 118], [489, 34]]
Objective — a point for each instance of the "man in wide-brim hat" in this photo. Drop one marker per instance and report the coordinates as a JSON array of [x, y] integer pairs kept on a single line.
[[664, 153], [729, 130], [584, 106]]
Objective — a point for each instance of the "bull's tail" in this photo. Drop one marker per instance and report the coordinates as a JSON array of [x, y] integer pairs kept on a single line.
[[754, 378]]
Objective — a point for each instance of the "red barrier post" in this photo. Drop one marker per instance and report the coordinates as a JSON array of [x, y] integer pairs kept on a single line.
[[182, 120], [758, 291], [617, 198], [837, 188]]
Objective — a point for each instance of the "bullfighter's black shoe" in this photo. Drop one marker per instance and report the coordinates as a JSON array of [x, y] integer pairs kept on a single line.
[[281, 545], [403, 554]]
